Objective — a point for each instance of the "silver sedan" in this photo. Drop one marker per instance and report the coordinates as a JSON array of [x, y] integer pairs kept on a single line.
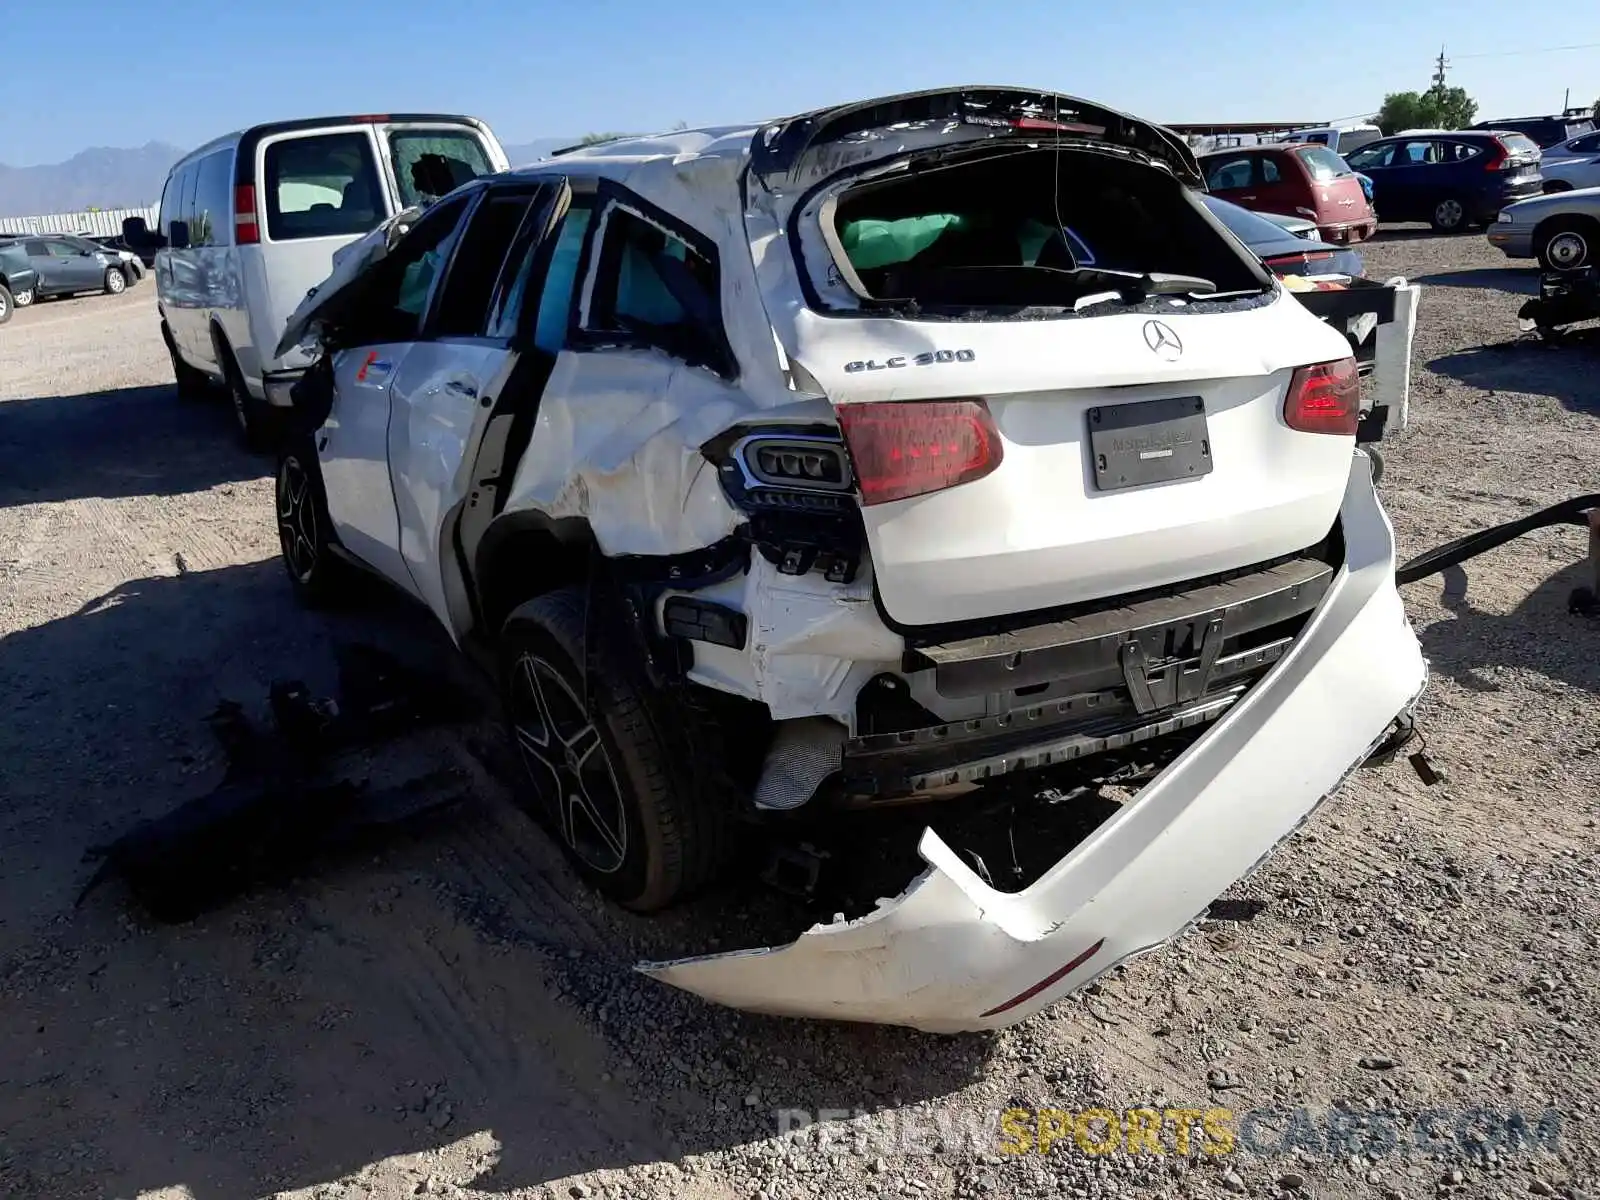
[[1561, 230]]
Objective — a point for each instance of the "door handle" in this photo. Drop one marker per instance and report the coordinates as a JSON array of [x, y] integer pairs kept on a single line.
[[462, 389]]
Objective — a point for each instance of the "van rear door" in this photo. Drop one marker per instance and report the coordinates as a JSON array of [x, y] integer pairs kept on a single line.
[[320, 187]]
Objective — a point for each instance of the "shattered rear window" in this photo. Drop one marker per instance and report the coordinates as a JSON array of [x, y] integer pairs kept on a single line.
[[1035, 229], [429, 163]]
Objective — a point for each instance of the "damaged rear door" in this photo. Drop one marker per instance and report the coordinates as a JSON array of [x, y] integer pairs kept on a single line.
[[368, 326], [446, 388]]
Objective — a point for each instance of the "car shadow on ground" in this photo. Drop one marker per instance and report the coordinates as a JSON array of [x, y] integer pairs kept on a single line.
[[1470, 641], [448, 982], [1521, 281], [1532, 366], [137, 441]]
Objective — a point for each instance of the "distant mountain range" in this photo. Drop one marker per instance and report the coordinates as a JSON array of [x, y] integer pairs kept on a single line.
[[104, 177]]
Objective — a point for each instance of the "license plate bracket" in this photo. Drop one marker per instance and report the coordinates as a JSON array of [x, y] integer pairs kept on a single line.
[[1149, 441]]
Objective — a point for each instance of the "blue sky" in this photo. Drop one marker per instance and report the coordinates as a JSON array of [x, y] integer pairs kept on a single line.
[[191, 69]]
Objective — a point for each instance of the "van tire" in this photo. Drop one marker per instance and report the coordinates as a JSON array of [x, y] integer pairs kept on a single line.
[[7, 304], [668, 807], [253, 417], [116, 281], [192, 384]]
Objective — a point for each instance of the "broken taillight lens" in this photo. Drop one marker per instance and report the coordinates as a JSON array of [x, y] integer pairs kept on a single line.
[[1324, 398], [246, 232], [910, 448]]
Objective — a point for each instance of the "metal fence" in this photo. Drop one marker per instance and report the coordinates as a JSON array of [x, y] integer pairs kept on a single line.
[[103, 222]]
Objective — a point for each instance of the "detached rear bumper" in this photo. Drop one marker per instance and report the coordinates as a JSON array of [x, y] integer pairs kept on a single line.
[[952, 954]]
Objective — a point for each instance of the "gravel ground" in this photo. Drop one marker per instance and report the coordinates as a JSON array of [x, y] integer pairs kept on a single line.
[[445, 1013]]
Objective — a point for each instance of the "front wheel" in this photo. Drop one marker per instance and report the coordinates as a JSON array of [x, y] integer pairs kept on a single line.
[[116, 282], [632, 792], [23, 298], [1566, 243], [1449, 216], [305, 531]]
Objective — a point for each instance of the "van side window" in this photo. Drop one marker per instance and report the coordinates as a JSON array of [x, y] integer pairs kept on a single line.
[[321, 185], [651, 288], [169, 203], [191, 178], [476, 266], [213, 203], [430, 163]]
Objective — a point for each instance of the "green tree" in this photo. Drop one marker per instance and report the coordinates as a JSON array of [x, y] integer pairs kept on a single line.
[[1436, 108], [1597, 110]]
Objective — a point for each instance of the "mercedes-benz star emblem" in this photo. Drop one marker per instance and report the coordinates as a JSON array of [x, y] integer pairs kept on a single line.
[[1162, 341]]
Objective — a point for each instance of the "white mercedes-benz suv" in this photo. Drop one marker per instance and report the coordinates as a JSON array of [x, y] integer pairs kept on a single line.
[[863, 458]]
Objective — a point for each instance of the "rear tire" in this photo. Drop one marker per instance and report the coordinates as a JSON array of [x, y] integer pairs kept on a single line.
[[116, 282], [1566, 243], [254, 417], [7, 304], [192, 384], [321, 579], [635, 794], [1449, 216]]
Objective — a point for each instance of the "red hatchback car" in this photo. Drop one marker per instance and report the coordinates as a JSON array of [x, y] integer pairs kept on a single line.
[[1295, 180]]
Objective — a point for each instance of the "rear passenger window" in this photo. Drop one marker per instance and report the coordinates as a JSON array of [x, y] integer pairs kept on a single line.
[[1229, 173], [475, 268], [322, 185], [1269, 170], [555, 296], [653, 289]]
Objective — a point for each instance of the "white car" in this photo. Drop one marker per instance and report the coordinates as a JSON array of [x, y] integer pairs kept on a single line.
[[1573, 164], [250, 221], [795, 466]]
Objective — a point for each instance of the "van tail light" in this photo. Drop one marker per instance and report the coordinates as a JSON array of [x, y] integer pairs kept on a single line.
[[1325, 398], [910, 448], [246, 232], [1499, 158]]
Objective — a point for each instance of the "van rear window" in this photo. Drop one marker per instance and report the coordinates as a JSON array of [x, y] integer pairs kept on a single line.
[[322, 185], [429, 163]]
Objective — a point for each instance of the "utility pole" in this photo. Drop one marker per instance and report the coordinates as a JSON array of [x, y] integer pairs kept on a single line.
[[1440, 66]]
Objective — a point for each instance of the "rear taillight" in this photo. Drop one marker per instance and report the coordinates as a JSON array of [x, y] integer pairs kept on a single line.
[[1499, 158], [1281, 262], [909, 448], [1325, 398], [245, 230]]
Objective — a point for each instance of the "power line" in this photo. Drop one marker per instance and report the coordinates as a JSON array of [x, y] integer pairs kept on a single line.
[[1534, 50]]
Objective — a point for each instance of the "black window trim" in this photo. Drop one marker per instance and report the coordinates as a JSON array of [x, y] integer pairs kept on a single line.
[[597, 255], [491, 188]]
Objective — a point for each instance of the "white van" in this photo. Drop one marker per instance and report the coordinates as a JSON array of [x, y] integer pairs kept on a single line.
[[250, 223], [1342, 139]]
